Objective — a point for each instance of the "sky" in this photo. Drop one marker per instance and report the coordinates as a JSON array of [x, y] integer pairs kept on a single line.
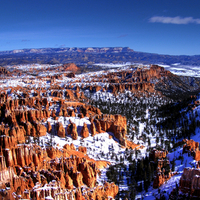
[[155, 26]]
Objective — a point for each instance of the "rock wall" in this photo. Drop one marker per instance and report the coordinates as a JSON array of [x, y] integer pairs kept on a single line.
[[29, 171], [192, 147], [155, 154], [33, 170], [116, 124], [190, 182]]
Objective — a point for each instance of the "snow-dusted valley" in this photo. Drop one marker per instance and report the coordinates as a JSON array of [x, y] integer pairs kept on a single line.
[[129, 131]]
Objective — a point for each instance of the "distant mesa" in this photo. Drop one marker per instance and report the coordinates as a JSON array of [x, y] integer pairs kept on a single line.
[[92, 55], [72, 49], [18, 51]]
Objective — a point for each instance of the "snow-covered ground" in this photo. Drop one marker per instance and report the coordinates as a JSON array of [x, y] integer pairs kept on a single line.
[[119, 65], [183, 70], [99, 147]]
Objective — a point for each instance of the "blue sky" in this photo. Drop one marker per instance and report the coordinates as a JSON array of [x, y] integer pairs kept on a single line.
[[154, 26]]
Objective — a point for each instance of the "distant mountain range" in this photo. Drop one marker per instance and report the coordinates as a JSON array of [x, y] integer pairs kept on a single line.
[[91, 55], [69, 50]]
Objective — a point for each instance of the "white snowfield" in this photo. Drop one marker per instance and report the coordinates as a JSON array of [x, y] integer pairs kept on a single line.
[[183, 70]]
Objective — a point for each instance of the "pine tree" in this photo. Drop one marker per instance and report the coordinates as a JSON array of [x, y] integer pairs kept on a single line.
[[149, 142], [173, 164]]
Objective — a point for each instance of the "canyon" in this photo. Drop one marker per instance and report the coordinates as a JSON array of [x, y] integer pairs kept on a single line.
[[57, 138]]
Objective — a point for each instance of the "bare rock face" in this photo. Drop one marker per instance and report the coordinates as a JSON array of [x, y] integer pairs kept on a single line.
[[11, 118], [31, 115], [66, 146], [119, 133], [52, 152], [53, 113], [155, 154], [82, 149], [77, 179], [85, 131], [69, 94], [41, 129], [95, 88], [20, 133], [161, 177], [109, 189], [81, 115], [69, 182], [137, 81], [190, 182], [72, 130], [4, 71], [192, 147], [88, 110], [60, 113], [8, 142], [71, 113], [72, 147], [74, 133], [89, 174], [28, 126], [33, 131], [60, 130], [70, 67], [7, 174], [116, 124], [93, 128], [98, 126], [82, 96], [65, 113], [20, 156], [49, 127]]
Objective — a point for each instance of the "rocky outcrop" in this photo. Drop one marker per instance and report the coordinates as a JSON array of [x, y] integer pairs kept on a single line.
[[89, 110], [116, 124], [156, 155], [82, 149], [89, 173], [98, 126], [4, 71], [53, 191], [69, 147], [40, 129], [163, 171], [72, 130], [192, 147], [35, 172], [85, 131], [133, 87], [69, 94], [11, 137], [93, 128], [60, 130], [7, 141], [49, 127], [70, 67], [190, 182], [162, 177]]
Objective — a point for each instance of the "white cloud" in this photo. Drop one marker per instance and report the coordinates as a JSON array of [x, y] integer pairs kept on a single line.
[[174, 20]]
